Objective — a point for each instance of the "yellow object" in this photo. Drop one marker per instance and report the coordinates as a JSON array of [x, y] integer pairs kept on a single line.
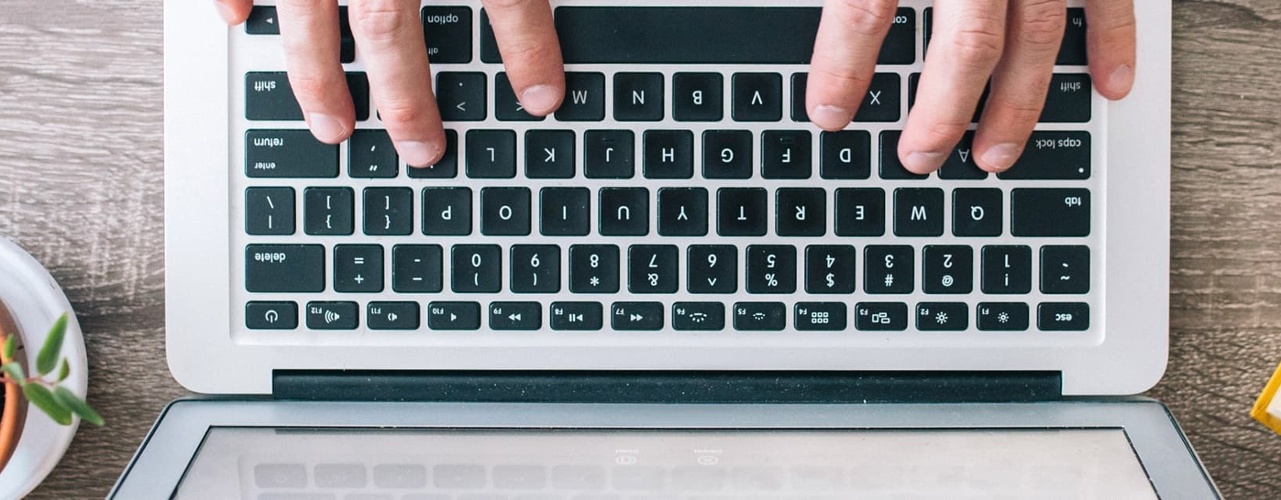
[[1267, 409]]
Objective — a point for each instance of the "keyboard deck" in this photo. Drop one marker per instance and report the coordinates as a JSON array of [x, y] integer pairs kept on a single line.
[[678, 189]]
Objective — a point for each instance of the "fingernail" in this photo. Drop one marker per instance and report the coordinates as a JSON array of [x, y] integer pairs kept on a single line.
[[830, 117], [224, 11], [1001, 156], [418, 154], [1121, 79], [326, 128], [539, 99], [923, 162]]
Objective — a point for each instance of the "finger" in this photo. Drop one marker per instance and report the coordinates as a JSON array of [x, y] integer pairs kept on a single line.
[[309, 31], [845, 52], [968, 42], [526, 38], [1021, 81], [391, 39], [234, 11], [1110, 29]]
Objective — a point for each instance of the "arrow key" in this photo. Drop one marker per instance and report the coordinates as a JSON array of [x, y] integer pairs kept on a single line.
[[515, 316], [631, 316], [392, 316]]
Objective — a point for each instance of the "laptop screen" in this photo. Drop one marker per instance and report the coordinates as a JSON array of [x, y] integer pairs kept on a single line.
[[586, 464]]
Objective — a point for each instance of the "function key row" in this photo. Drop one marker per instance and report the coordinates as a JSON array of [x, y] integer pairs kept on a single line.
[[657, 269], [685, 316], [626, 211]]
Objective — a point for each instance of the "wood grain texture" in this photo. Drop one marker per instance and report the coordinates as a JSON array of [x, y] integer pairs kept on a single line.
[[80, 187]]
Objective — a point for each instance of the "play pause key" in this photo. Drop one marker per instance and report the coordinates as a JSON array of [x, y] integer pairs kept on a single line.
[[392, 316], [515, 316], [643, 316], [453, 316], [332, 315]]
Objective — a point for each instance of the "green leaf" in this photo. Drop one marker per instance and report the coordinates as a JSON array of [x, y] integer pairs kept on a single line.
[[10, 347], [78, 406], [41, 397], [47, 360], [64, 370], [14, 371]]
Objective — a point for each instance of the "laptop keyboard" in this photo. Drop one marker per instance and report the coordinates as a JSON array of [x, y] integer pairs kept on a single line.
[[679, 188]]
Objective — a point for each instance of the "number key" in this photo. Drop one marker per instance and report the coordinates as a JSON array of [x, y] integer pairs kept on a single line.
[[713, 269], [477, 268], [535, 268], [652, 269], [771, 269], [593, 269]]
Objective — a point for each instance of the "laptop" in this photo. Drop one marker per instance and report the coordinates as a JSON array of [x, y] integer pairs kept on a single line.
[[675, 287]]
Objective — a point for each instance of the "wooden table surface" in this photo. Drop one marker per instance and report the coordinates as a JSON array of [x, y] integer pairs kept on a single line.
[[81, 189]]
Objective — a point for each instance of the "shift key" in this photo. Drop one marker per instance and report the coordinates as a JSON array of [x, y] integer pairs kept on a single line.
[[284, 268], [289, 153], [1050, 212]]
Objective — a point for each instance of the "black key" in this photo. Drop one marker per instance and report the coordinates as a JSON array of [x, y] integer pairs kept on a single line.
[[609, 154], [1073, 51], [624, 212], [515, 316], [801, 211], [506, 106], [262, 21], [1063, 317], [358, 85], [669, 154], [1050, 212], [416, 268], [372, 155], [888, 269], [447, 211], [593, 269], [1065, 270], [800, 84], [712, 269], [269, 97], [771, 269], [477, 269], [1053, 156], [333, 315], [565, 211], [269, 211], [758, 97], [504, 211], [636, 316], [488, 44], [1069, 99], [948, 269], [881, 316], [289, 153], [584, 316], [652, 269], [358, 268], [821, 316], [1003, 317], [328, 211], [742, 211], [453, 316], [900, 43], [891, 166], [977, 212], [491, 154], [760, 316], [392, 316], [942, 316], [535, 268], [918, 212], [584, 98], [446, 168], [960, 164], [1007, 270], [389, 211], [346, 40], [638, 97], [448, 31], [549, 154], [461, 96], [727, 154], [698, 316], [786, 154], [271, 315], [883, 102], [845, 155], [682, 212], [697, 97], [860, 212], [830, 269]]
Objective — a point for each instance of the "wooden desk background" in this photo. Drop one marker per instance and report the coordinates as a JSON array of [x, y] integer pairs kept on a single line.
[[81, 188]]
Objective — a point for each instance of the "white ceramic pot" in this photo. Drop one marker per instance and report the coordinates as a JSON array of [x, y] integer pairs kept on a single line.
[[34, 301]]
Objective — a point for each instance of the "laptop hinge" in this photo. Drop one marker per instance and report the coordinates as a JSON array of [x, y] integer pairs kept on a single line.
[[666, 387]]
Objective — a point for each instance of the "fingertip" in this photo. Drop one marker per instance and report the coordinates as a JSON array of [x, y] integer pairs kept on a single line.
[[234, 13], [999, 158], [328, 129], [922, 162], [1118, 83], [541, 100], [419, 154], [830, 118]]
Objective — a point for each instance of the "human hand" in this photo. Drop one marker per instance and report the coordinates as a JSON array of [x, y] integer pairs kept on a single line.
[[389, 34], [1014, 43]]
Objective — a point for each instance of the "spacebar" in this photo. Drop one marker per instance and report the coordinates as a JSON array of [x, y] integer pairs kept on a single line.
[[687, 35]]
